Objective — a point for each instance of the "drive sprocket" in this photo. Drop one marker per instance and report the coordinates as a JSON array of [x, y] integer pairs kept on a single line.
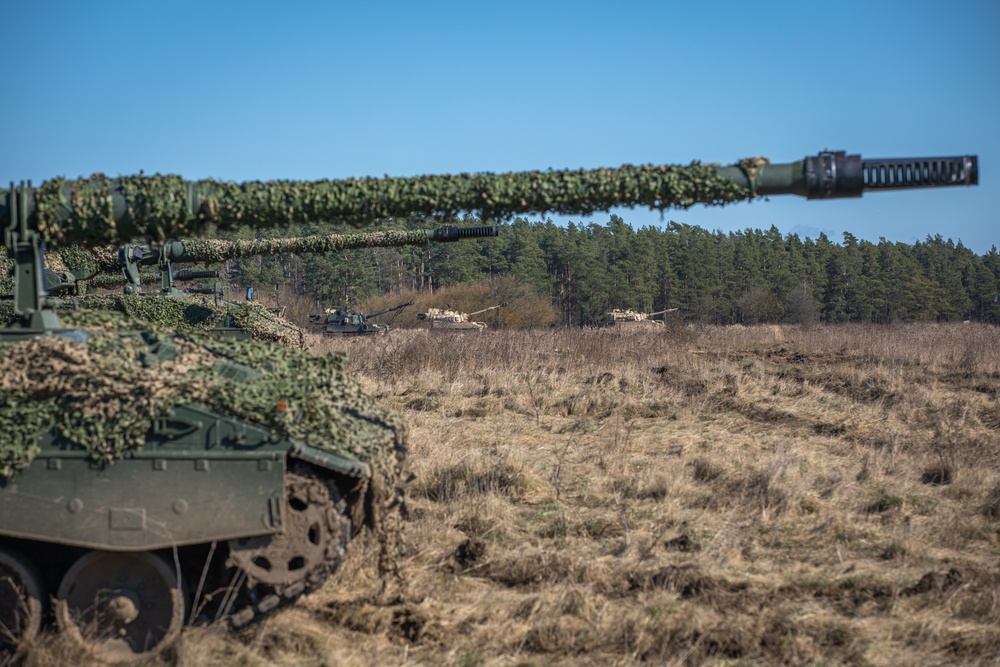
[[310, 546]]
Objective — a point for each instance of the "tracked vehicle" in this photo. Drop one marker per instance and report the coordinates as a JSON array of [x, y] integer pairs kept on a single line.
[[628, 318], [453, 320], [152, 478], [345, 323], [149, 479]]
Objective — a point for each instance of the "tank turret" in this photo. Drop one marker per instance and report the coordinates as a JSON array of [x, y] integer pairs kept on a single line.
[[388, 310], [101, 210], [250, 466]]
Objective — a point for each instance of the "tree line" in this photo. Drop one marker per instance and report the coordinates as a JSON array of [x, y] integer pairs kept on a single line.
[[743, 277]]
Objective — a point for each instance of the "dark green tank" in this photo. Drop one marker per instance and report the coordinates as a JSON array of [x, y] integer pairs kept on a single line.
[[343, 322], [151, 478]]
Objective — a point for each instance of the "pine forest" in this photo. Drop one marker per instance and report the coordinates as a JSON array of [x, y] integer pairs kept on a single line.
[[580, 271]]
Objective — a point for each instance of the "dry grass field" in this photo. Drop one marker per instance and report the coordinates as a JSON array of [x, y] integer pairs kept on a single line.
[[777, 495]]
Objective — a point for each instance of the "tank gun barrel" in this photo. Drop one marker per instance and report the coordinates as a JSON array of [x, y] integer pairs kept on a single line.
[[484, 310], [216, 250], [388, 310], [836, 175], [100, 210], [663, 312]]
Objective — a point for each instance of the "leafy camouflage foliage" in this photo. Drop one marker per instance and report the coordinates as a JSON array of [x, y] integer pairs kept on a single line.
[[117, 280], [194, 313], [105, 258], [161, 207], [104, 394], [89, 260]]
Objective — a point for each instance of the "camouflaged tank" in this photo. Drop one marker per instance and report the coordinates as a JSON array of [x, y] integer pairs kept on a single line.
[[84, 277], [453, 320], [151, 478], [342, 322]]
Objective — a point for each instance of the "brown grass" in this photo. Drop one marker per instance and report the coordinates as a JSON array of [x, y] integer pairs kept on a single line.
[[725, 496]]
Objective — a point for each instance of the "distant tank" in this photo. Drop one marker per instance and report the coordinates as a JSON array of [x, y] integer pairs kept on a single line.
[[345, 323], [150, 479], [453, 320], [634, 319]]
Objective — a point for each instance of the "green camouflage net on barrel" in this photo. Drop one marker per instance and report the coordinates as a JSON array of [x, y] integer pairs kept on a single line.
[[104, 259], [215, 250], [113, 280], [160, 207], [103, 395], [86, 261]]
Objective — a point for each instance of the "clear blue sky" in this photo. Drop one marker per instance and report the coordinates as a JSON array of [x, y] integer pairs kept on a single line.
[[262, 90]]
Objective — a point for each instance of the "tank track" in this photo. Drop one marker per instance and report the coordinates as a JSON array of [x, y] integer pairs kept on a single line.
[[274, 571]]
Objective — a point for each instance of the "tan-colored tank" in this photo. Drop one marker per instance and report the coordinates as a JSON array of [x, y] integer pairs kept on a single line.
[[635, 319], [453, 320]]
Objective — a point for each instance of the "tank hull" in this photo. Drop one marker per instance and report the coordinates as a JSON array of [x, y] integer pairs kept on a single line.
[[367, 329], [474, 327], [133, 544]]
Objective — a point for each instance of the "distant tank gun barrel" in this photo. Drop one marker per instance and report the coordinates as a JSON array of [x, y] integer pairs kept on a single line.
[[100, 210], [388, 310], [485, 310]]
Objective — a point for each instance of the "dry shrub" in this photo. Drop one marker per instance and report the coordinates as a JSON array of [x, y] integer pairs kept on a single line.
[[532, 566], [471, 477], [645, 485]]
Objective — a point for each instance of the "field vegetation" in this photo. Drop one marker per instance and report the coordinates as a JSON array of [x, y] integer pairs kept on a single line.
[[767, 495]]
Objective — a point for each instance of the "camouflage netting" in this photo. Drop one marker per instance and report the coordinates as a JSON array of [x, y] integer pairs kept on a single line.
[[100, 395], [192, 314], [161, 207], [104, 259], [214, 250], [89, 260]]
